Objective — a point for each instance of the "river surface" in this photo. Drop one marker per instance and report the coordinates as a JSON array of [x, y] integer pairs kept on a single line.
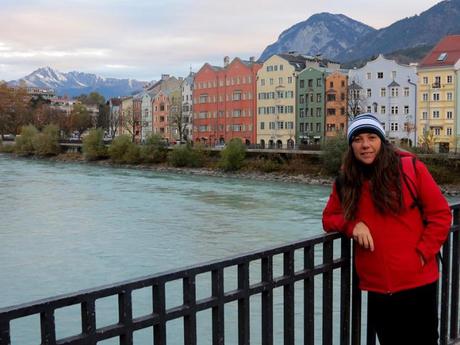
[[68, 226]]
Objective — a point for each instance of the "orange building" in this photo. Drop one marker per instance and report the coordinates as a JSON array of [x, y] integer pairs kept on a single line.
[[336, 104], [160, 110], [224, 100]]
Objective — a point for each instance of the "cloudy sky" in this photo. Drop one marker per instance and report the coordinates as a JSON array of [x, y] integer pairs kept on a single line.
[[142, 39]]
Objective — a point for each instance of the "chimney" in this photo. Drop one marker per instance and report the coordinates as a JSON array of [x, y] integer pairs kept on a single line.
[[164, 76], [252, 59], [226, 61]]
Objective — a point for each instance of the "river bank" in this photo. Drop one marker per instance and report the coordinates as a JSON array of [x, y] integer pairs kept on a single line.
[[309, 179]]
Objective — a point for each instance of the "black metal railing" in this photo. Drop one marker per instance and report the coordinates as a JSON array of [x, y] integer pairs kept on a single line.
[[320, 258]]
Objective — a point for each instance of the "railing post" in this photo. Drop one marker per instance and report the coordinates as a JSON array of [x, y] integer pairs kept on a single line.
[[345, 296], [328, 256], [356, 303], [455, 274], [88, 321], [243, 304], [48, 328], [445, 286], [309, 297], [125, 316], [159, 330], [267, 301], [218, 326], [5, 333], [289, 334], [189, 292]]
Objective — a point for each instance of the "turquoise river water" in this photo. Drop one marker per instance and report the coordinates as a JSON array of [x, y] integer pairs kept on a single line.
[[67, 226]]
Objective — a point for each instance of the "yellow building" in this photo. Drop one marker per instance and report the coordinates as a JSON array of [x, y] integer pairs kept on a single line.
[[276, 100], [127, 123], [438, 91]]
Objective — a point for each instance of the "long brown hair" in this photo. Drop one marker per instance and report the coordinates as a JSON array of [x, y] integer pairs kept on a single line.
[[384, 175]]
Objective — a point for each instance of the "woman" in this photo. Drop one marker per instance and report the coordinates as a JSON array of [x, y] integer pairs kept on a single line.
[[398, 239]]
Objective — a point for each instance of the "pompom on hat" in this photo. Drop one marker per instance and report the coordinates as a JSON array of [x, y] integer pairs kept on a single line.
[[365, 123]]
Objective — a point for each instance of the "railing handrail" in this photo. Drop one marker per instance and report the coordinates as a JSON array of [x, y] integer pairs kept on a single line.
[[174, 274]]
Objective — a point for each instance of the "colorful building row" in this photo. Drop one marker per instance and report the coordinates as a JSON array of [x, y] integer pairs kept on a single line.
[[291, 99]]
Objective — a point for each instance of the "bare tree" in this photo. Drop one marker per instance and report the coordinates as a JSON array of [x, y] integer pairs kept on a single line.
[[176, 115], [356, 99]]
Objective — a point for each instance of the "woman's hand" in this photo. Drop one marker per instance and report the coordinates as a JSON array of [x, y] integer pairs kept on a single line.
[[362, 235]]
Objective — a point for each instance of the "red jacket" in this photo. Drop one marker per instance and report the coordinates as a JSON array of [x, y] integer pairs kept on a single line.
[[395, 264]]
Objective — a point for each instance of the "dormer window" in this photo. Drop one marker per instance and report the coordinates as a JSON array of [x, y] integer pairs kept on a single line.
[[442, 56]]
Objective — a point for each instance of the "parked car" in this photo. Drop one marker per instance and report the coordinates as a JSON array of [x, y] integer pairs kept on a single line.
[[220, 146]]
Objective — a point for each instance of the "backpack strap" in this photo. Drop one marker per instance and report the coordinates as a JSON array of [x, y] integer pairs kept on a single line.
[[409, 174]]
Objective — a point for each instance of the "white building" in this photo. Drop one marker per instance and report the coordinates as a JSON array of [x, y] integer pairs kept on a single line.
[[187, 105], [389, 91], [147, 119]]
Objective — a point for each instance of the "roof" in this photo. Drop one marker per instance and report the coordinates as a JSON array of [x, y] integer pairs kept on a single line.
[[393, 84], [449, 45], [296, 60], [354, 86]]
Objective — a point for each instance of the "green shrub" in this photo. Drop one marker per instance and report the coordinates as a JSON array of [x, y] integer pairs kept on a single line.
[[7, 148], [93, 145], [154, 150], [24, 142], [333, 151], [180, 156], [199, 156], [232, 156], [123, 150], [46, 143], [265, 165]]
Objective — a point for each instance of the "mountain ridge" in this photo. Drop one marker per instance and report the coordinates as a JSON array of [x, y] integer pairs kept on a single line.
[[75, 83]]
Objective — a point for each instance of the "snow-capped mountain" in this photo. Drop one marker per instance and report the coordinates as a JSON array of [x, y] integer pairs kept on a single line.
[[76, 83], [324, 33]]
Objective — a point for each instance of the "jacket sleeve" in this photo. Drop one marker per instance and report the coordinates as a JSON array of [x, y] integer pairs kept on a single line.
[[436, 213], [333, 218]]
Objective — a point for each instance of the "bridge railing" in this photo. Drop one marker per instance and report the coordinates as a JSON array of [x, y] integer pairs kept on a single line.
[[336, 255]]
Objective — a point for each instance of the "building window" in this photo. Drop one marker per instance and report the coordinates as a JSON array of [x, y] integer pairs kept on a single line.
[[318, 97], [406, 92], [203, 98], [262, 82], [437, 131], [382, 109], [449, 115], [449, 79], [318, 112], [449, 96], [394, 92], [383, 92], [425, 115], [280, 80], [394, 110], [435, 114], [425, 97], [435, 96], [331, 98], [393, 75], [237, 96], [425, 80], [331, 111], [302, 112], [302, 83], [318, 127], [331, 84], [262, 125], [406, 109], [281, 67], [368, 75], [289, 79], [394, 127], [302, 99], [302, 127], [379, 75], [437, 81], [449, 131], [271, 81], [319, 82], [310, 82], [369, 108], [369, 93]]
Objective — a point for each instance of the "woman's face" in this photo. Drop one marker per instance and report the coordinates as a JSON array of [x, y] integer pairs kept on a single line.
[[366, 147]]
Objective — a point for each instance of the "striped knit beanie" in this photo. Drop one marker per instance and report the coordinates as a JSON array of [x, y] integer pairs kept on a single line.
[[365, 123]]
